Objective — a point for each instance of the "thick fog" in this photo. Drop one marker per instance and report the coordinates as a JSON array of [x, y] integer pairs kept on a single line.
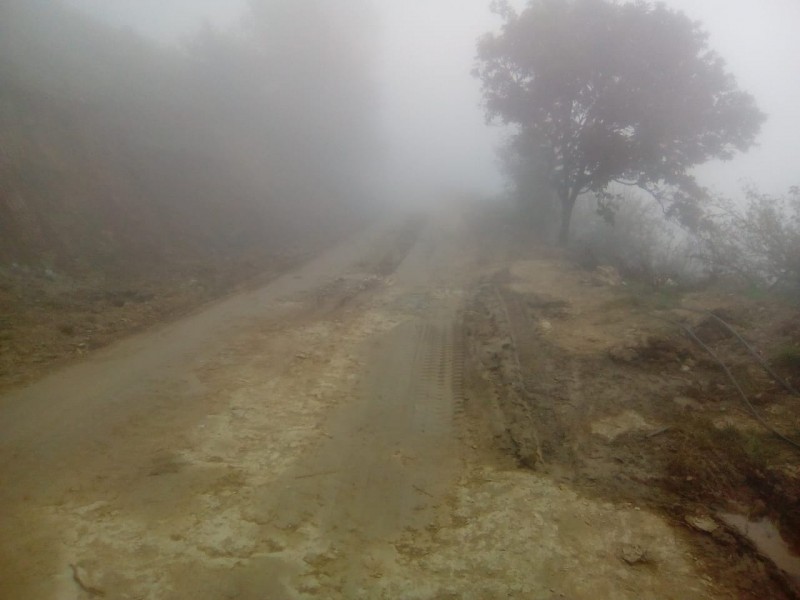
[[434, 135], [433, 139], [759, 42], [431, 103]]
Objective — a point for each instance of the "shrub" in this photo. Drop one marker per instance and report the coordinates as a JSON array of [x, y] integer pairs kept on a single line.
[[759, 243], [637, 239]]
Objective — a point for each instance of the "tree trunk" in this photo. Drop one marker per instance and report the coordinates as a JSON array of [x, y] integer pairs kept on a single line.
[[567, 198]]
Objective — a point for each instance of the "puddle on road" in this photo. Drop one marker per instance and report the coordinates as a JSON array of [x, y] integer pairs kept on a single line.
[[768, 541]]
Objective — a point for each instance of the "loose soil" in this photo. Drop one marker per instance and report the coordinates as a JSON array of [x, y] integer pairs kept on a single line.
[[600, 390], [432, 409]]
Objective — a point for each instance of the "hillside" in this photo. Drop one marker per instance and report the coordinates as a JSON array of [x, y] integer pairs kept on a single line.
[[130, 170]]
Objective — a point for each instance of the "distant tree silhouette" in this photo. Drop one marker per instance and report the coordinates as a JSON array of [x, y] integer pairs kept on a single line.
[[605, 93]]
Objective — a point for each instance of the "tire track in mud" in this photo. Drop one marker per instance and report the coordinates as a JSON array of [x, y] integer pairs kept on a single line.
[[391, 452], [368, 371]]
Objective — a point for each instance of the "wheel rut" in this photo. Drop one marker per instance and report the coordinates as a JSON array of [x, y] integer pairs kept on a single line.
[[391, 452]]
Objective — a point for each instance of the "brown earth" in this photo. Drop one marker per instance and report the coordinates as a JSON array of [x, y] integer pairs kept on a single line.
[[601, 390], [429, 410]]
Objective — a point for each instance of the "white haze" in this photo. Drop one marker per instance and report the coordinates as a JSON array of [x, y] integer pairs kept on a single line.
[[435, 136], [759, 41]]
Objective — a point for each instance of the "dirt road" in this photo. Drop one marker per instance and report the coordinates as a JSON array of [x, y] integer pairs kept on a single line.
[[316, 438]]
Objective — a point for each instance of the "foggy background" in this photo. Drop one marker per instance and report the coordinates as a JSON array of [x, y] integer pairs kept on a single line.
[[435, 138]]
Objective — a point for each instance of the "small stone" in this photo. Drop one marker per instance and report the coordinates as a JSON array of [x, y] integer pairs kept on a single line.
[[633, 554], [702, 523], [87, 581], [606, 275], [687, 403], [623, 354], [318, 559]]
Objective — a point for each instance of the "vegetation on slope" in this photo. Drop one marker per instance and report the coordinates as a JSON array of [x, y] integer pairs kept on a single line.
[[120, 154]]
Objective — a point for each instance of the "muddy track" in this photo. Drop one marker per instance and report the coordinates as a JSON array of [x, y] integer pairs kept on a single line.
[[345, 432], [286, 428], [390, 451]]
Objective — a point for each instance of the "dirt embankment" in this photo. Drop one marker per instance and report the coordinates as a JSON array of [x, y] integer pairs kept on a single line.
[[599, 388]]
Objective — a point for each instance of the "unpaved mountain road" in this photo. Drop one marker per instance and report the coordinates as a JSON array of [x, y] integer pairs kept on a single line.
[[311, 439]]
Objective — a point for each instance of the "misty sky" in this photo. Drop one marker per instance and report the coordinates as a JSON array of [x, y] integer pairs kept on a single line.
[[434, 126]]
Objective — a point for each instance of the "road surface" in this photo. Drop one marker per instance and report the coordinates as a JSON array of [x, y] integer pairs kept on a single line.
[[311, 439]]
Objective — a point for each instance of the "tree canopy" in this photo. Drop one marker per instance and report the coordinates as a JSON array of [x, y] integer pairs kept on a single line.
[[603, 92]]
